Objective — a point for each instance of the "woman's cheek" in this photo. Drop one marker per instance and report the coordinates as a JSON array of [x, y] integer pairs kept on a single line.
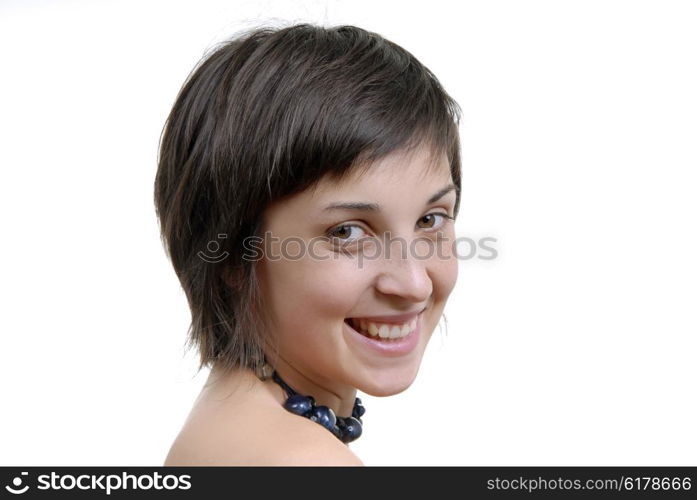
[[337, 283], [317, 292], [446, 267]]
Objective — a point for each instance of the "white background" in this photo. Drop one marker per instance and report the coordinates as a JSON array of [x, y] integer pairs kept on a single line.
[[575, 347]]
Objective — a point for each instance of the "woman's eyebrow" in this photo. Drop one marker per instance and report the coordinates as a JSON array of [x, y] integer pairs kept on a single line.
[[374, 207]]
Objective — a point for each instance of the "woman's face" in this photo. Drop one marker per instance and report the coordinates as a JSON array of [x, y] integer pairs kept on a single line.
[[324, 266]]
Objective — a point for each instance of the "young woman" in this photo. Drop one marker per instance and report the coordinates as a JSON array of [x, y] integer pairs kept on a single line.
[[307, 185]]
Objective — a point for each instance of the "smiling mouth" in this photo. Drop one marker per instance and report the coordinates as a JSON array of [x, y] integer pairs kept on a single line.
[[382, 331]]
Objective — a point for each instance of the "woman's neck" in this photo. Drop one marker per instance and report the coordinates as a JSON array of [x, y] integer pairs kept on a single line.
[[339, 399]]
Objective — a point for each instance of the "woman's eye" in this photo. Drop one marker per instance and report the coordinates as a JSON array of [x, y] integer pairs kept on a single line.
[[343, 232], [347, 232], [430, 220]]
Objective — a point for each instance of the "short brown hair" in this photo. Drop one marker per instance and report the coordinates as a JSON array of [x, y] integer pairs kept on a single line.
[[265, 115]]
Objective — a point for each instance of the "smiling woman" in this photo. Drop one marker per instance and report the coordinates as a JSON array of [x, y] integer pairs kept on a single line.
[[342, 143]]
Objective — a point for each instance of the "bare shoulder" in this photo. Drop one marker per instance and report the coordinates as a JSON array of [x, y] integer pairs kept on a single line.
[[306, 443], [252, 428], [270, 440]]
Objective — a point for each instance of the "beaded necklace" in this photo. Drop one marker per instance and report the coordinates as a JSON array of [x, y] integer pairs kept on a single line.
[[346, 429]]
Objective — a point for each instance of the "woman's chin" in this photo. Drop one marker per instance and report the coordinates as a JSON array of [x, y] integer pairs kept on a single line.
[[388, 384]]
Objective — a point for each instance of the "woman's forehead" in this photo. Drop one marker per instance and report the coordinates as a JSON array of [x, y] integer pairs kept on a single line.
[[415, 176]]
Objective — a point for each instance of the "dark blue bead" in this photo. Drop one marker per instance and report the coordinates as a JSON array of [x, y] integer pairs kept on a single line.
[[352, 429], [337, 432], [324, 416], [300, 405], [358, 409]]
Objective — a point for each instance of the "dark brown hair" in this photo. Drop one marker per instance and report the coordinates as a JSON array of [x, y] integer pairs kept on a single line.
[[265, 115]]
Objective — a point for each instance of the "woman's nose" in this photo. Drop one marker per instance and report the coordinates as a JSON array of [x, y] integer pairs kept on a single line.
[[407, 277]]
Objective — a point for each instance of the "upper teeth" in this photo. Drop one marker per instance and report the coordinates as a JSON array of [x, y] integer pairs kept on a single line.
[[384, 330]]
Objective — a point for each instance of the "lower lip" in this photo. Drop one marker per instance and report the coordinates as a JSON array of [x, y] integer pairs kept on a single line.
[[389, 348]]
